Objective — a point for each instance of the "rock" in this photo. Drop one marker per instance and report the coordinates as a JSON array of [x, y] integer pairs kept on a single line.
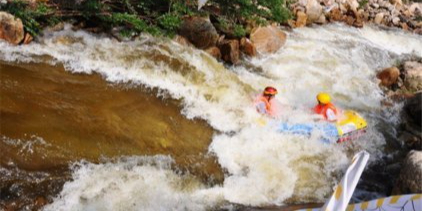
[[404, 26], [410, 177], [378, 18], [230, 51], [247, 47], [214, 52], [375, 5], [413, 76], [28, 39], [11, 28], [389, 76], [301, 19], [411, 140], [415, 8], [182, 41], [396, 2], [199, 31], [350, 20], [418, 31], [40, 201], [291, 23], [413, 108], [313, 11], [396, 21], [268, 39], [335, 14], [321, 20], [353, 5]]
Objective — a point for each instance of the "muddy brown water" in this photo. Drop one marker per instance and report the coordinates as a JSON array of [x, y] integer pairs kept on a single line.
[[50, 118]]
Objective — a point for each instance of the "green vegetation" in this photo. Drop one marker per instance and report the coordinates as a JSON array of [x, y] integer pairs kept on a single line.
[[362, 4], [32, 17], [158, 17]]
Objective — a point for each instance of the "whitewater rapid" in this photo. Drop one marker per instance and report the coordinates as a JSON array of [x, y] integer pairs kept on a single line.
[[263, 167]]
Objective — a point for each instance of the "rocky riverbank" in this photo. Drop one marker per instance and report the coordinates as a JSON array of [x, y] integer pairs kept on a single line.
[[226, 41]]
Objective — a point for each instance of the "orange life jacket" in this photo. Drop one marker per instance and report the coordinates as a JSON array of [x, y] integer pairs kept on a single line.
[[268, 108], [322, 109]]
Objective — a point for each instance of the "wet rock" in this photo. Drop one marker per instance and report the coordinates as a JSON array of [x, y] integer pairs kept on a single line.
[[247, 47], [40, 201], [413, 76], [214, 51], [404, 26], [410, 177], [199, 31], [388, 76], [301, 18], [411, 140], [182, 41], [230, 51], [11, 28], [413, 108], [28, 39], [268, 39]]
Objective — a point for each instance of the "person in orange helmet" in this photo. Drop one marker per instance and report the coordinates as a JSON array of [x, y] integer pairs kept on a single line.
[[264, 103], [325, 107]]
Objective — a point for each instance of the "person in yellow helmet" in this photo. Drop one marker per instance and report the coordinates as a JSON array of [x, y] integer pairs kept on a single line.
[[265, 103], [325, 107]]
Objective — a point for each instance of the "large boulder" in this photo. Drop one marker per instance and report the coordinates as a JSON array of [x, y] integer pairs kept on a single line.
[[199, 31], [11, 28], [389, 76], [313, 10], [268, 39], [410, 177], [230, 51], [413, 75]]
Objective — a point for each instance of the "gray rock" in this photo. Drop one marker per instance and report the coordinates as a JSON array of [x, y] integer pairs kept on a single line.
[[410, 177]]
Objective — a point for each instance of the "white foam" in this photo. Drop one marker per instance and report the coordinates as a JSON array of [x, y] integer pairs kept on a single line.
[[264, 167]]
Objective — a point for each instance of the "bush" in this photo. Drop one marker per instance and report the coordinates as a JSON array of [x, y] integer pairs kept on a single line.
[[158, 17], [32, 18]]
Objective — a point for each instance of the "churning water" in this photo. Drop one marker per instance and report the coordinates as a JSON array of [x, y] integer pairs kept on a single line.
[[261, 166]]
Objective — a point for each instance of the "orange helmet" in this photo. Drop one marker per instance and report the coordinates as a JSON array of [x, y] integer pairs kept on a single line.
[[269, 90]]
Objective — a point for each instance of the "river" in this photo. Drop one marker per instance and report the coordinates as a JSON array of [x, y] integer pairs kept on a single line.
[[91, 123]]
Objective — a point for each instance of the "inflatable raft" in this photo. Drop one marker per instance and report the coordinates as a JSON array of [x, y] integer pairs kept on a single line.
[[349, 126]]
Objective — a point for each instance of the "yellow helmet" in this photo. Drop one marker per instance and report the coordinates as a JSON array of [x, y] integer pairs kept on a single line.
[[323, 98]]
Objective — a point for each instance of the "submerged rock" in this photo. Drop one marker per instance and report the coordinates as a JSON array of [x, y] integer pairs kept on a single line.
[[11, 28]]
